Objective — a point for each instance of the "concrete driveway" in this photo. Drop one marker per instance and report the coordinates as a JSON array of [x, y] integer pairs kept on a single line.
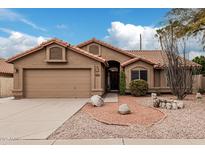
[[35, 118]]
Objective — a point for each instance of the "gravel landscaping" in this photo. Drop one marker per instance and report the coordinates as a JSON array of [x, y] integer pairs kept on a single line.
[[187, 123], [140, 115]]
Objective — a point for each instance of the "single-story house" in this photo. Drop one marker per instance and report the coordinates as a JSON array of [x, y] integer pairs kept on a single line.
[[6, 78], [58, 69]]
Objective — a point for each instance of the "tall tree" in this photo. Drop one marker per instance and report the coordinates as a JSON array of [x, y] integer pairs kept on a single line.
[[188, 22], [200, 60], [179, 74]]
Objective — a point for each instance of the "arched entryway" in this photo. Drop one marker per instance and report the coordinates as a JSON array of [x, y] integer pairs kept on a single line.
[[113, 75]]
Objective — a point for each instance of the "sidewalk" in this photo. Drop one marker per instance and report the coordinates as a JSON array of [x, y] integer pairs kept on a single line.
[[119, 141]]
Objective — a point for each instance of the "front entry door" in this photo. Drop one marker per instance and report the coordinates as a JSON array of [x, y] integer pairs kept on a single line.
[[114, 80]]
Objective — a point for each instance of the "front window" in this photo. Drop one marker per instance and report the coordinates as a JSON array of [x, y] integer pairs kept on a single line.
[[139, 74]]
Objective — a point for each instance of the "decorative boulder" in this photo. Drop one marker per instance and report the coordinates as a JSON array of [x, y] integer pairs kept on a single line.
[[162, 100], [169, 101], [97, 100], [198, 96], [166, 101], [163, 105], [124, 109], [174, 106], [156, 103], [154, 95], [160, 104], [168, 106], [180, 104]]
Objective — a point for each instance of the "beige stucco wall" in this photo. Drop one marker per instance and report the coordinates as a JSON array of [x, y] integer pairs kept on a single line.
[[160, 78], [203, 82], [6, 86], [163, 79], [103, 78], [109, 54], [198, 82], [157, 78], [140, 64], [74, 61]]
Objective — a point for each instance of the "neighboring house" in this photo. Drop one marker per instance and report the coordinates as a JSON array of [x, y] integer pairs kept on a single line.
[[57, 69], [6, 78]]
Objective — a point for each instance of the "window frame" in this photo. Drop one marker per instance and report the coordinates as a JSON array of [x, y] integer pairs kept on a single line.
[[139, 73], [56, 60]]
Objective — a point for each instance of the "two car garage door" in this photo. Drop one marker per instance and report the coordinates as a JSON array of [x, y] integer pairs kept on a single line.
[[63, 83]]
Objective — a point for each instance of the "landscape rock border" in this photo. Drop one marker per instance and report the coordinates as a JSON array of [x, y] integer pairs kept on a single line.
[[169, 104]]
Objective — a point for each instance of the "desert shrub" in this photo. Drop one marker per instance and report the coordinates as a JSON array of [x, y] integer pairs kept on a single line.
[[122, 83], [138, 87], [201, 90]]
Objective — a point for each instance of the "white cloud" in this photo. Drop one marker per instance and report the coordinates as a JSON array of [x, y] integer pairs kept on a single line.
[[30, 23], [61, 26], [193, 54], [17, 42], [127, 36], [6, 14]]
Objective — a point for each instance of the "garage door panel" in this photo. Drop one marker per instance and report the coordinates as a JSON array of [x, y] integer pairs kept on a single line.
[[57, 83]]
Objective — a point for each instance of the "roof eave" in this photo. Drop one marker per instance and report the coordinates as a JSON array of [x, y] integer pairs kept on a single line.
[[39, 47], [135, 60]]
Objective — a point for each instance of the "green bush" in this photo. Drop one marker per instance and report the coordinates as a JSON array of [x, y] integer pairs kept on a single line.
[[201, 90], [122, 83], [138, 87]]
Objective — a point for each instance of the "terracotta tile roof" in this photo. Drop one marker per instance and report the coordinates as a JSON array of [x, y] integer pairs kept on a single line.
[[157, 57], [5, 68], [94, 40], [60, 42], [154, 57]]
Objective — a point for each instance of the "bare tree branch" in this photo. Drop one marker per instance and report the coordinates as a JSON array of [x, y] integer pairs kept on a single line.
[[179, 74]]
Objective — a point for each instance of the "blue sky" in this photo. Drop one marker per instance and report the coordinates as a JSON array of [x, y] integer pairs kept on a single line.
[[21, 29], [76, 25]]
